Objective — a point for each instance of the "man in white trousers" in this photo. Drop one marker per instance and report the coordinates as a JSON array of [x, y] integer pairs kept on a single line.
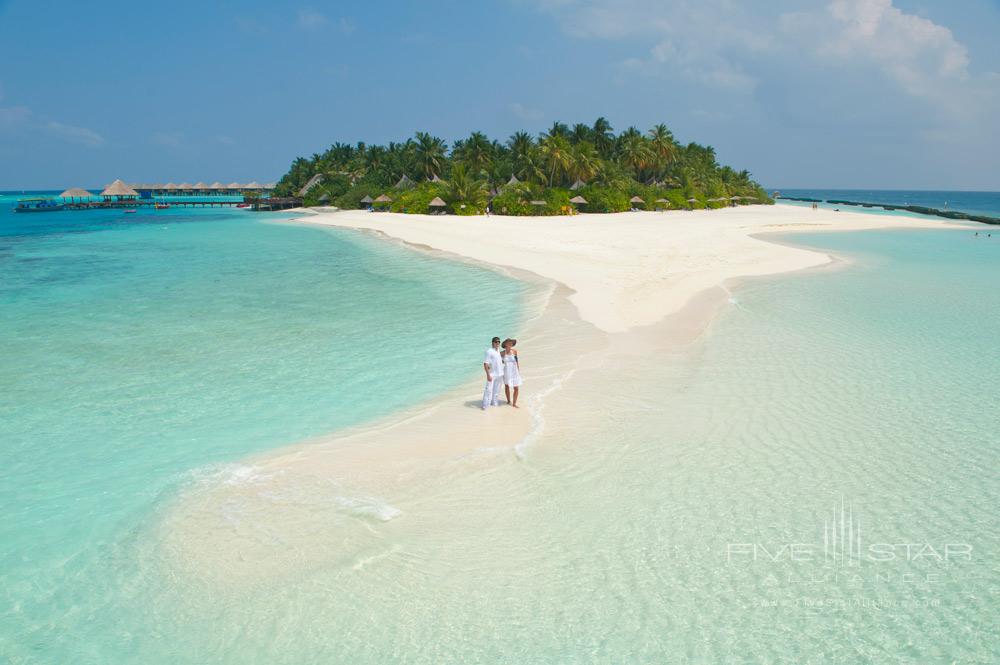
[[493, 364]]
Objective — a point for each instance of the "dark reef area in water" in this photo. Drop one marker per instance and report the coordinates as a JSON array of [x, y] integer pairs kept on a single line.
[[923, 210]]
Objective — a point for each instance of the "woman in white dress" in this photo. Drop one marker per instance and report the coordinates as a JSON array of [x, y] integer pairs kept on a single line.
[[511, 370]]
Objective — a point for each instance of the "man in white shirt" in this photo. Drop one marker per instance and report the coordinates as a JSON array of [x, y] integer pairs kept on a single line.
[[493, 364]]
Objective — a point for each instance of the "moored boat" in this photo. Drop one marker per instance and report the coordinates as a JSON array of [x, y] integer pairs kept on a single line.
[[38, 205]]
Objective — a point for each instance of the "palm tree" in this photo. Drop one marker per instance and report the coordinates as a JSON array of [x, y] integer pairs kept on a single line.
[[557, 129], [476, 152], [584, 161], [634, 151], [521, 146], [429, 152], [603, 137], [556, 153], [580, 133], [661, 140], [464, 188]]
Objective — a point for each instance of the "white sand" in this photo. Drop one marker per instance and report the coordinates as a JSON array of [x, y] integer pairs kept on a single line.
[[627, 269], [293, 508]]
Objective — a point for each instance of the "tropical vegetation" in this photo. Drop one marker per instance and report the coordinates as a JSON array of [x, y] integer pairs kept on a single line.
[[525, 175]]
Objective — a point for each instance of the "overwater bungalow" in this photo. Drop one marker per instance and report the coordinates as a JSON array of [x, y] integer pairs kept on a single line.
[[119, 191], [217, 188], [184, 188], [76, 194], [201, 188]]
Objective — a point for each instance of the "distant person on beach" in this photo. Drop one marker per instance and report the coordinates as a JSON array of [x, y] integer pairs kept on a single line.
[[511, 370], [493, 365]]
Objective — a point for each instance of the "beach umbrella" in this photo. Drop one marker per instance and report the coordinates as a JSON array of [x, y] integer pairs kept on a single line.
[[663, 201], [538, 203], [383, 199], [75, 193], [325, 198], [692, 200], [578, 200], [734, 198], [367, 199], [636, 199], [436, 202]]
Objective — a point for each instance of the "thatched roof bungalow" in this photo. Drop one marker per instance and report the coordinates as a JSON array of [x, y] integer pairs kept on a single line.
[[119, 191], [75, 193]]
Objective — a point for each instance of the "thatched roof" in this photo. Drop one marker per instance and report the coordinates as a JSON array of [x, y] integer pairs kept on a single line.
[[119, 188], [404, 182], [252, 185], [170, 185], [367, 199], [234, 185], [578, 199], [200, 185], [382, 199], [75, 193], [217, 185], [577, 185], [513, 180], [636, 199], [185, 185], [437, 202]]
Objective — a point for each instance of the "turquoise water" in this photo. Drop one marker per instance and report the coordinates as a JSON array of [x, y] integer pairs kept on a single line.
[[140, 350], [679, 507], [978, 203], [655, 518]]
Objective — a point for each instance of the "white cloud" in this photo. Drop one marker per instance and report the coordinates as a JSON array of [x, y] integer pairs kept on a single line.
[[80, 135], [697, 40], [168, 139], [913, 52], [310, 19], [22, 120], [525, 113]]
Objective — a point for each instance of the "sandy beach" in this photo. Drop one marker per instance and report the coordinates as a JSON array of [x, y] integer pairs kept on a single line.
[[622, 288]]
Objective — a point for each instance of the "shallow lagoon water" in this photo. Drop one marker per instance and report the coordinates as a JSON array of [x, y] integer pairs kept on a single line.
[[144, 351], [717, 503]]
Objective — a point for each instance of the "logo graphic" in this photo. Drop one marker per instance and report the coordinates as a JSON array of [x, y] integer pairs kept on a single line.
[[842, 536]]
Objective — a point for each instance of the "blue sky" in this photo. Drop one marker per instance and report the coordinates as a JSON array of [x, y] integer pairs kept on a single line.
[[825, 93]]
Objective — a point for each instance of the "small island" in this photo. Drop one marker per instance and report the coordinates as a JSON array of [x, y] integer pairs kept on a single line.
[[583, 168]]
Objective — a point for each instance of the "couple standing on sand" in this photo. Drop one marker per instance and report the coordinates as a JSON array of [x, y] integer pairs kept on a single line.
[[501, 368]]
